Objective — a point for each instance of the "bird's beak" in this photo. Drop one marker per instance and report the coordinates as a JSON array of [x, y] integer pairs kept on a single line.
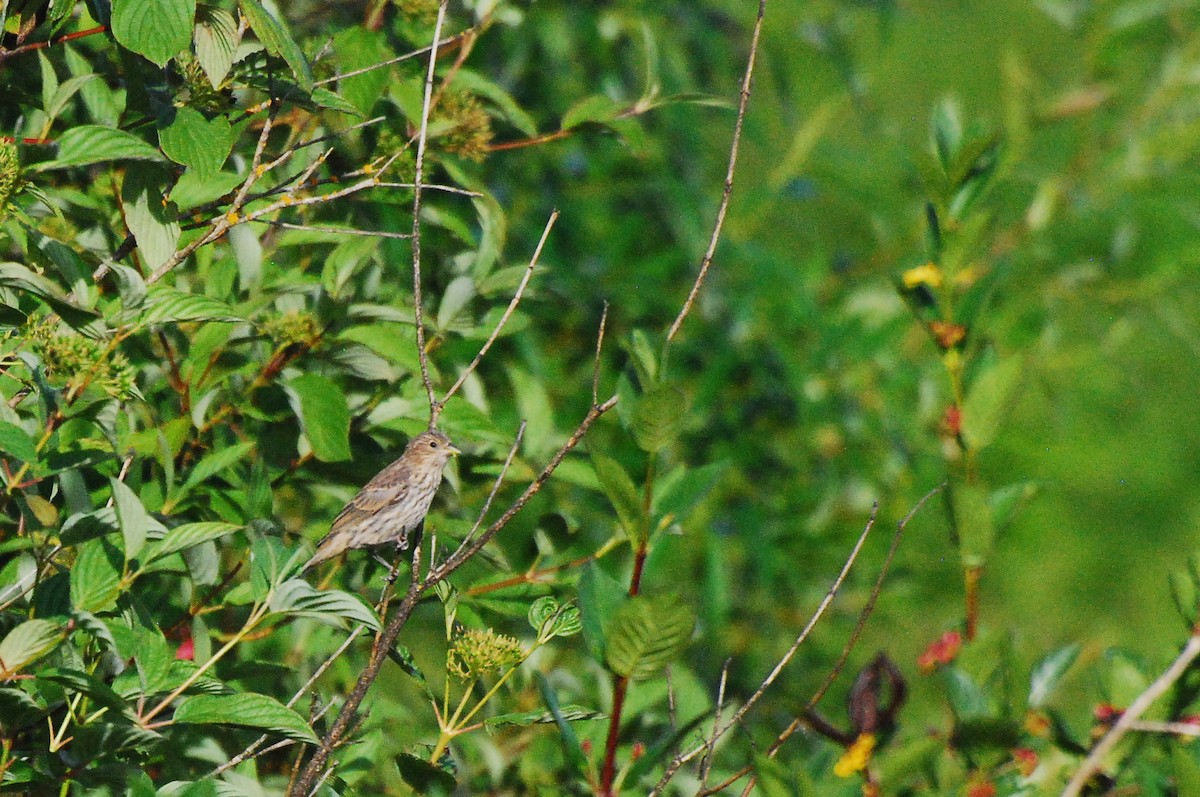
[[454, 450]]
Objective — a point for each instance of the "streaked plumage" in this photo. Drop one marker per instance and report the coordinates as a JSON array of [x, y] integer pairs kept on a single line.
[[393, 503]]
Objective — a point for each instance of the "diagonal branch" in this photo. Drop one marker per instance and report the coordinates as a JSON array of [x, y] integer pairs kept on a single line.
[[743, 101], [438, 406], [767, 682], [1164, 682]]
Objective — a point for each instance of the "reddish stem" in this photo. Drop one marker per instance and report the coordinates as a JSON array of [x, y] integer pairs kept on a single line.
[[66, 37], [608, 771]]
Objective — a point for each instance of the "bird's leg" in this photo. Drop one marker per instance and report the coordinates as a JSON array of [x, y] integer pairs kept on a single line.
[[393, 571]]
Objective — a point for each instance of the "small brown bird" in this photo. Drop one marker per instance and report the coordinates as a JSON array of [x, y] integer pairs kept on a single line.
[[393, 503]]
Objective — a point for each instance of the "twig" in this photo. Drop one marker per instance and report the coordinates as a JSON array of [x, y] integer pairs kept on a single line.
[[487, 504], [438, 406], [1164, 682], [450, 40], [223, 222], [863, 615], [332, 230], [743, 101], [1177, 728], [707, 762], [596, 361], [680, 760], [449, 189], [252, 750], [422, 355], [25, 48]]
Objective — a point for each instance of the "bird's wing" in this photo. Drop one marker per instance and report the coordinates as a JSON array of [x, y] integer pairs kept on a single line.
[[389, 486]]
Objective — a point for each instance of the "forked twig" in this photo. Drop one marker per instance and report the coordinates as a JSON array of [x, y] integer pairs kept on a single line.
[[1128, 719], [743, 102], [680, 760], [438, 406], [836, 670], [419, 170]]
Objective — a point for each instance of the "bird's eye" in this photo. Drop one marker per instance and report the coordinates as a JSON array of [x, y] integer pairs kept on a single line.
[[433, 444]]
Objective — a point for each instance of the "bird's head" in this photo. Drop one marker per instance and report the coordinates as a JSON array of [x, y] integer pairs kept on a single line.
[[432, 447]]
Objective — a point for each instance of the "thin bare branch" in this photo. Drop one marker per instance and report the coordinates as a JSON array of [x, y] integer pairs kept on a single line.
[[449, 189], [512, 452], [1176, 728], [332, 230], [508, 311], [252, 751], [710, 746], [466, 552], [743, 102], [1132, 714], [223, 222], [423, 355], [679, 761], [450, 40], [599, 348], [836, 670]]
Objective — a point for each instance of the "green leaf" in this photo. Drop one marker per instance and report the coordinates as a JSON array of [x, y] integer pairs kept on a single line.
[[324, 98], [88, 144], [659, 414], [82, 682], [16, 442], [678, 493], [1186, 769], [297, 596], [156, 29], [576, 758], [216, 37], [622, 494], [647, 634], [245, 710], [211, 465], [989, 400], [191, 140], [278, 41], [21, 279], [65, 92], [1048, 672], [96, 576], [130, 285], [167, 305], [569, 713], [356, 47], [189, 534], [424, 777], [550, 618], [458, 293], [600, 596], [596, 109], [131, 517], [324, 416], [27, 643]]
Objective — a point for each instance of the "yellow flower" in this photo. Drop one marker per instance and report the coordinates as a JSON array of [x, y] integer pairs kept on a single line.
[[856, 757], [928, 274]]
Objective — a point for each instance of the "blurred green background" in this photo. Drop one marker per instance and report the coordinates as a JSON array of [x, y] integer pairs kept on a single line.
[[814, 382]]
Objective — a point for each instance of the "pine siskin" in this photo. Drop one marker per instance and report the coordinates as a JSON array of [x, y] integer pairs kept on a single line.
[[393, 503]]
